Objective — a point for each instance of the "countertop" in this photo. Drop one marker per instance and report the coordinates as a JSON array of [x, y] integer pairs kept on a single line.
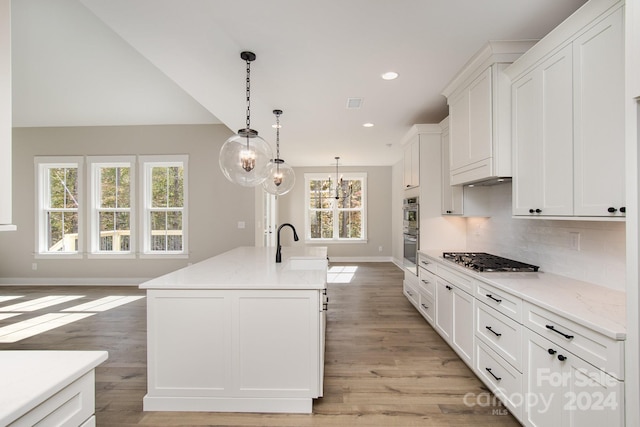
[[596, 307], [250, 267], [29, 377]]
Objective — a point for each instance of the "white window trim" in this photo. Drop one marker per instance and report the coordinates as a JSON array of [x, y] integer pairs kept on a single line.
[[45, 162], [144, 169], [307, 226], [93, 164]]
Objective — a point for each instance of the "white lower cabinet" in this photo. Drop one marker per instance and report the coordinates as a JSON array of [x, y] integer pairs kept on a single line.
[[454, 318], [560, 389]]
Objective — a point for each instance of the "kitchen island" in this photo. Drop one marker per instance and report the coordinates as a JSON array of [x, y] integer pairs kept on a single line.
[[238, 333]]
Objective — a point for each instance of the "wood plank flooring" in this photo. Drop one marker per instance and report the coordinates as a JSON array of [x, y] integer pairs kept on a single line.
[[385, 366]]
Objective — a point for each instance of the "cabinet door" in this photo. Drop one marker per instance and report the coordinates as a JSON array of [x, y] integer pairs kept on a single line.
[[543, 138], [452, 196], [459, 131], [480, 108], [598, 58], [444, 309], [407, 166], [463, 326], [415, 162]]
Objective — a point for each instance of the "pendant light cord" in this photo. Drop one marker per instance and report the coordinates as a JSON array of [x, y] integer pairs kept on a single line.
[[248, 95]]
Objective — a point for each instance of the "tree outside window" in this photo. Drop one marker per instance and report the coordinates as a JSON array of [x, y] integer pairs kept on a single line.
[[330, 218]]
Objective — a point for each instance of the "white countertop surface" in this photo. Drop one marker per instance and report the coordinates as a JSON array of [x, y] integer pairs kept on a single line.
[[249, 267], [596, 307], [29, 377]]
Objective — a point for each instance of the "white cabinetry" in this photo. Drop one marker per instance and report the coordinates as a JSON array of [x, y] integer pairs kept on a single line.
[[412, 162], [479, 113], [452, 195], [5, 116], [568, 118], [223, 350]]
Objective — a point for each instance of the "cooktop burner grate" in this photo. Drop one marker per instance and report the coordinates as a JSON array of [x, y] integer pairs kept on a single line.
[[481, 261]]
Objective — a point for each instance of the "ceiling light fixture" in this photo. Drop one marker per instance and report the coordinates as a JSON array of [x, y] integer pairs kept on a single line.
[[280, 176], [340, 191], [390, 75], [245, 157], [368, 125]]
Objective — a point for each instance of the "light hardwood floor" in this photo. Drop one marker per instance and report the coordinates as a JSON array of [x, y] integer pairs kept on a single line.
[[385, 366]]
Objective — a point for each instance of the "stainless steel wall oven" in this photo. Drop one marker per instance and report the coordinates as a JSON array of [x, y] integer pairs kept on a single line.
[[410, 233]]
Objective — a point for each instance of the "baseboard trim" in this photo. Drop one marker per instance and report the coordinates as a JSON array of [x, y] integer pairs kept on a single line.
[[73, 281]]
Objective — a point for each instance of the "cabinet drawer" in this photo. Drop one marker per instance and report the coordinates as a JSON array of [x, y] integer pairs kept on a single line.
[[426, 307], [411, 293], [600, 351], [459, 280], [502, 334], [427, 264], [427, 282], [504, 302], [71, 406], [501, 378]]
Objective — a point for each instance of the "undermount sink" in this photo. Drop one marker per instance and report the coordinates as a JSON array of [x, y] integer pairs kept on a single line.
[[306, 263]]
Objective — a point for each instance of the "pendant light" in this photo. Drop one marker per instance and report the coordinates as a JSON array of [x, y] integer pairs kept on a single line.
[[280, 177], [339, 192], [245, 157]]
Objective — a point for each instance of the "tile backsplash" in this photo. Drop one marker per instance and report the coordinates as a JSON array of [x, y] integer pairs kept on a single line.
[[593, 251]]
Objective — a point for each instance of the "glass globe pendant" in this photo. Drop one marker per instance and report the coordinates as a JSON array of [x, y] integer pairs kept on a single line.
[[280, 176], [245, 157]]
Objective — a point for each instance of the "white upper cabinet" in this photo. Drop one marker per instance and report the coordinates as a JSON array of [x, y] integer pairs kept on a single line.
[[452, 195], [598, 58], [480, 114], [568, 118], [412, 163], [5, 116]]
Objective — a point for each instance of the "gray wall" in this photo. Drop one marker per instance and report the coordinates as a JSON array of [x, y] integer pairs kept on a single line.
[[379, 207], [215, 204]]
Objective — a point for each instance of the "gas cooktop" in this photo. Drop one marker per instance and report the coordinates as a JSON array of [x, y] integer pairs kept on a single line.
[[481, 261]]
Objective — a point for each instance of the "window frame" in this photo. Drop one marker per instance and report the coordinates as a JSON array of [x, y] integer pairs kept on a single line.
[[94, 163], [42, 164], [335, 210], [145, 164]]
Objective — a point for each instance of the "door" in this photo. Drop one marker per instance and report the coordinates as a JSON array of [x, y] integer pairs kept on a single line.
[[463, 327], [444, 309]]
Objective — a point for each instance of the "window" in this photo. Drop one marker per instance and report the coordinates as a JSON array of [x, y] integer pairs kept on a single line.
[[165, 194], [112, 214], [59, 203], [328, 218]]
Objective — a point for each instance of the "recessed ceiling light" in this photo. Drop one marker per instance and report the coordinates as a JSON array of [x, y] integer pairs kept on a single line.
[[390, 75], [368, 125]]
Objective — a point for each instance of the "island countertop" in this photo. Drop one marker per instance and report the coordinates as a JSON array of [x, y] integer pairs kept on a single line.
[[250, 267]]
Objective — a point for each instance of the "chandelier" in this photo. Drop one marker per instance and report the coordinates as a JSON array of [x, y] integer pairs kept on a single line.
[[244, 158], [339, 191], [280, 176]]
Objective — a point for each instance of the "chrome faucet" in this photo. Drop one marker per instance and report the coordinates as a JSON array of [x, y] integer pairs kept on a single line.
[[279, 250]]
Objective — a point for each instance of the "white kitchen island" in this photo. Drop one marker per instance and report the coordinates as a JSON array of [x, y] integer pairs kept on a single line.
[[238, 333]]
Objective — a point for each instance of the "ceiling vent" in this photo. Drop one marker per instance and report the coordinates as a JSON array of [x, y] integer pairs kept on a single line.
[[354, 103]]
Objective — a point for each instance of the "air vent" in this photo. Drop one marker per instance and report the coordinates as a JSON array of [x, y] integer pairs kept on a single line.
[[354, 103]]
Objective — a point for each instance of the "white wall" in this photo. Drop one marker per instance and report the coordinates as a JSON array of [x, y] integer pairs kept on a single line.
[[550, 244], [216, 205], [291, 209]]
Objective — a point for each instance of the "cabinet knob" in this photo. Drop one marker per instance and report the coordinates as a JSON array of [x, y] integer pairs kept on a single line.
[[449, 212], [408, 185], [612, 210], [552, 351], [531, 211], [538, 210], [448, 287], [562, 358], [623, 209]]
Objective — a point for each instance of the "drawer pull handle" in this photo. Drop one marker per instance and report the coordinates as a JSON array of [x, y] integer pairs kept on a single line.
[[562, 358], [424, 306], [425, 262], [492, 374], [569, 337], [495, 333], [409, 293], [448, 287], [552, 351], [494, 298], [426, 282]]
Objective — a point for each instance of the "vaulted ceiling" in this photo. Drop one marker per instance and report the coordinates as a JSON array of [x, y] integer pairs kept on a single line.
[[130, 62]]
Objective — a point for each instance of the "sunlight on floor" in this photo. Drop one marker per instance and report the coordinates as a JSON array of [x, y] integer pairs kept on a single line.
[[34, 326], [341, 273]]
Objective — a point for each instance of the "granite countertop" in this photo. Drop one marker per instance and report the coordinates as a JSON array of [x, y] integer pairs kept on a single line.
[[250, 267], [596, 307], [29, 377]]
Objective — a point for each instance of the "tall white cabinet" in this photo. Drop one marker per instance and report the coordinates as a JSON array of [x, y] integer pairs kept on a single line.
[[5, 116], [568, 118]]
